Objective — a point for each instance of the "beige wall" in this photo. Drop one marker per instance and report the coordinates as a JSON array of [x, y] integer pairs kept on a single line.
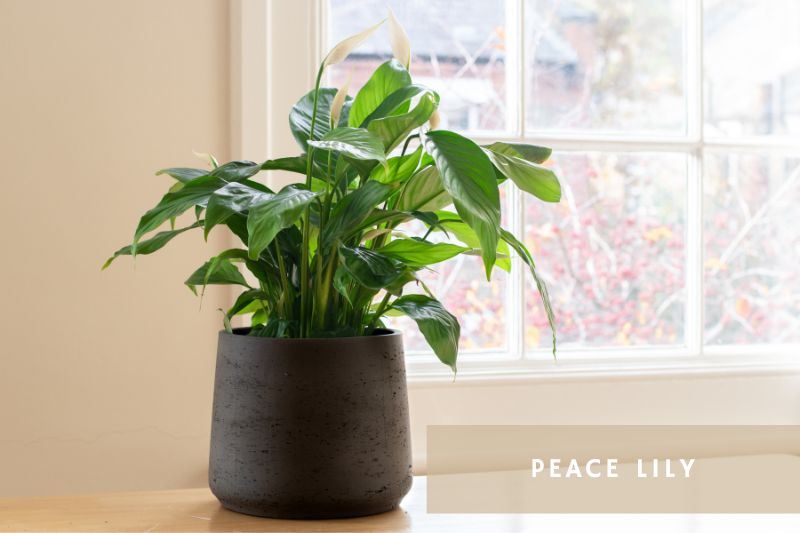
[[105, 378]]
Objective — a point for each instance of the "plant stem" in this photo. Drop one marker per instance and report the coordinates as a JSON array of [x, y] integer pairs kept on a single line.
[[286, 296], [304, 289], [379, 311]]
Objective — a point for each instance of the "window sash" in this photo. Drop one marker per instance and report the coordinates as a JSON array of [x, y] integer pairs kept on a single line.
[[692, 142]]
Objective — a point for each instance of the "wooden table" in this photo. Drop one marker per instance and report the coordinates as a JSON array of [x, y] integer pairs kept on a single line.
[[198, 510]]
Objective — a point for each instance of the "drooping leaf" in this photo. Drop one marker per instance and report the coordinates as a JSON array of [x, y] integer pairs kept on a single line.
[[387, 78], [183, 174], [526, 257], [292, 164], [468, 176], [419, 253], [530, 177], [267, 218], [153, 244], [342, 49], [424, 192], [394, 129], [216, 272], [439, 327], [370, 269], [174, 204], [235, 171], [528, 152], [355, 143], [231, 199]]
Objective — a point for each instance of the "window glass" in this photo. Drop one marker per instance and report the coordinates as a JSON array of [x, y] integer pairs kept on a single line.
[[752, 279], [605, 65], [612, 252], [752, 67], [458, 49]]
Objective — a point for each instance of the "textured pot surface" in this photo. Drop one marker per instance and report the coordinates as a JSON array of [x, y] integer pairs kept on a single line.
[[310, 428]]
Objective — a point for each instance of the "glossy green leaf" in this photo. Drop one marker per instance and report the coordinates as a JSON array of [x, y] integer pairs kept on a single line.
[[468, 176], [439, 327], [183, 174], [234, 171], [153, 244], [245, 302], [530, 177], [394, 129], [419, 253], [355, 143], [292, 164], [452, 225], [386, 79], [526, 257], [267, 218], [350, 213], [301, 114], [399, 169], [528, 152], [234, 198], [396, 103], [424, 192], [216, 272], [370, 269]]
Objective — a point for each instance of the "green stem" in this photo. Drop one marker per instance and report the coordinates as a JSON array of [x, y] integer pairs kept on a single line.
[[379, 311], [304, 289], [286, 296]]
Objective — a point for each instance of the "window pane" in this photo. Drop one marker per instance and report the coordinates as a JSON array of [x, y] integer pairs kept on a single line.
[[752, 67], [605, 65], [458, 50], [752, 279], [612, 252], [460, 284]]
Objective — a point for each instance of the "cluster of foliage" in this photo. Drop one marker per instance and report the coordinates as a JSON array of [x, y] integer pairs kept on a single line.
[[326, 254]]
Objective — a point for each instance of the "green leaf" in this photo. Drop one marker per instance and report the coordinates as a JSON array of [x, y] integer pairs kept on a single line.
[[351, 211], [396, 103], [292, 164], [155, 243], [234, 198], [418, 253], [355, 143], [440, 328], [267, 218], [451, 224], [530, 177], [245, 302], [424, 192], [528, 152], [370, 269], [399, 169], [234, 171], [183, 174], [172, 205], [394, 129], [386, 79], [468, 176], [301, 113], [216, 272], [526, 257]]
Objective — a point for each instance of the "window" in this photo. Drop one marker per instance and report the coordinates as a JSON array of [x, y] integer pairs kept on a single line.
[[675, 125]]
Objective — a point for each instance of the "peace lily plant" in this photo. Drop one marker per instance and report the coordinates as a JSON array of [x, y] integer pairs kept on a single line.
[[331, 256]]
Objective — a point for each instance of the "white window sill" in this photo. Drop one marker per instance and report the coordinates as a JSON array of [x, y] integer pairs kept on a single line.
[[603, 367]]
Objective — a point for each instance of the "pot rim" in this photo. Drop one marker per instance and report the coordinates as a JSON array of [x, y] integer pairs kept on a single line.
[[384, 333]]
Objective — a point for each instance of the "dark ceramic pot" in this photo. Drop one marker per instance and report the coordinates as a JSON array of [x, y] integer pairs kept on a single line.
[[310, 428]]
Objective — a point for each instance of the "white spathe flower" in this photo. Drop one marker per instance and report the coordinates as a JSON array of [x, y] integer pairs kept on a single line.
[[340, 52], [338, 101], [401, 47]]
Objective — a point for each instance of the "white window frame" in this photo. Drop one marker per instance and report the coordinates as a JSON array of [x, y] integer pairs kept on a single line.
[[263, 31]]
